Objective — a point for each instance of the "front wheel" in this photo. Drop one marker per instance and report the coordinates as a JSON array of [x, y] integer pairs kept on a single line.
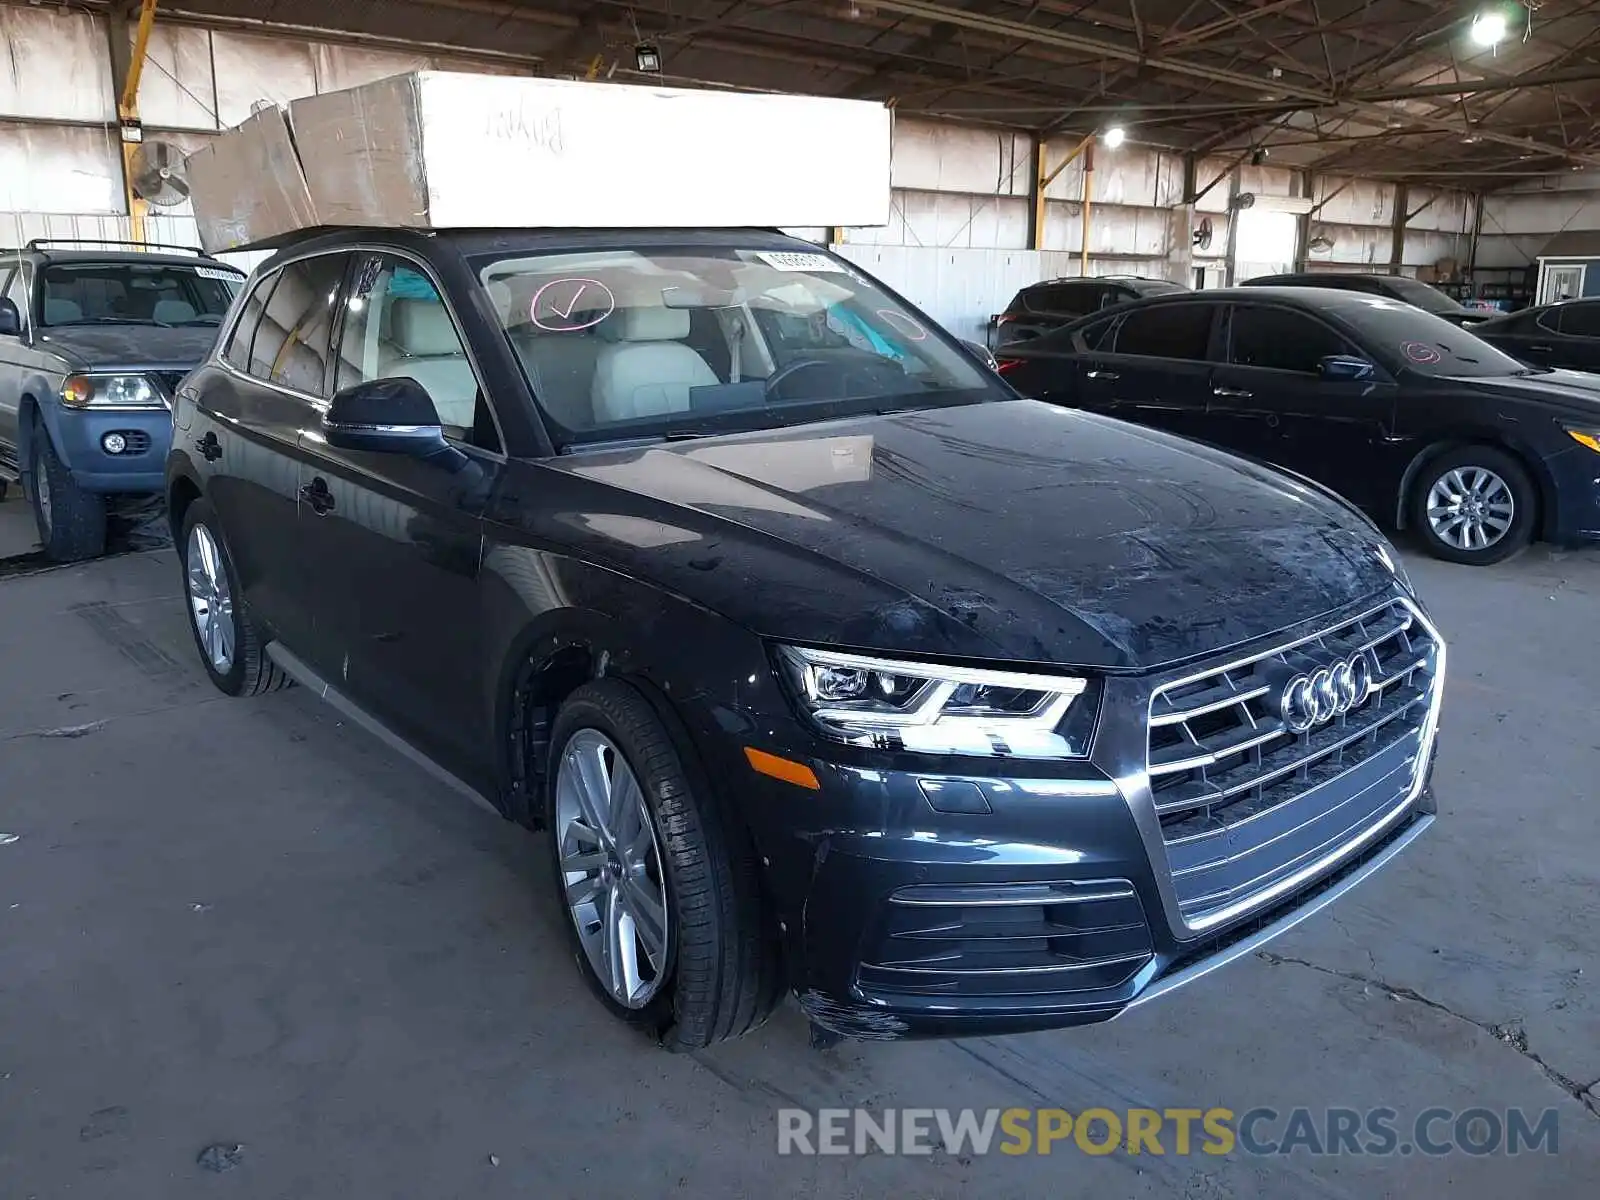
[[663, 910], [1474, 505], [232, 648], [71, 521]]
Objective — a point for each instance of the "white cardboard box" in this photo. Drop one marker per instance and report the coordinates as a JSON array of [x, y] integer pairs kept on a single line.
[[445, 150]]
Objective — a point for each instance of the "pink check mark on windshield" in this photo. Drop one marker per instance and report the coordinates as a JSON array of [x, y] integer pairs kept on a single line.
[[566, 313]]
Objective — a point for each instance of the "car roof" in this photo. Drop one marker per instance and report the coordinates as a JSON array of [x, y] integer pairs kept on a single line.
[[530, 241], [1309, 297]]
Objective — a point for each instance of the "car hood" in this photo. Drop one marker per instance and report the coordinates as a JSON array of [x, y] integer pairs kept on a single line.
[[1016, 531], [110, 347]]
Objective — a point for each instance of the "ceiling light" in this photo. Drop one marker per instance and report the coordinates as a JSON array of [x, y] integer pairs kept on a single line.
[[648, 58], [1114, 137], [1489, 28]]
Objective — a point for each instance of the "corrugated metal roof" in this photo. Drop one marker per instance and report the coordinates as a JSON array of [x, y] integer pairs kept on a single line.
[[1573, 243]]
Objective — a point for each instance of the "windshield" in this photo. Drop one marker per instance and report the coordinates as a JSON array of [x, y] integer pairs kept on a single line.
[[1429, 299], [136, 294], [1417, 341], [666, 342]]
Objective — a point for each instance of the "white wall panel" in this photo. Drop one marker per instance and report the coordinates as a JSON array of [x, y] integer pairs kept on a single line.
[[176, 88], [253, 68], [960, 289], [1449, 211], [1205, 171], [1363, 245], [57, 66], [1264, 181], [340, 67], [1354, 201], [1425, 247], [60, 168], [946, 158]]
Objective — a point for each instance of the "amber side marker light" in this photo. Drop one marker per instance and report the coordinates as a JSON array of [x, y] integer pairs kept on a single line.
[[1584, 438], [782, 768]]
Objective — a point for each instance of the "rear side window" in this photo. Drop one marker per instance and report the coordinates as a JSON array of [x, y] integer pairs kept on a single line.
[[1279, 339], [291, 341], [1065, 299], [1167, 331], [237, 353], [1580, 320]]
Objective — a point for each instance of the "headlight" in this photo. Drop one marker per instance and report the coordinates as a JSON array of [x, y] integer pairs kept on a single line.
[[930, 709], [111, 391], [1586, 437]]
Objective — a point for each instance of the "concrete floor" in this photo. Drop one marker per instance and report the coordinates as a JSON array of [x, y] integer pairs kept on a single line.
[[243, 922]]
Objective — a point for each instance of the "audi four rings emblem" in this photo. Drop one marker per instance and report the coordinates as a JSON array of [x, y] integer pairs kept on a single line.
[[1315, 697]]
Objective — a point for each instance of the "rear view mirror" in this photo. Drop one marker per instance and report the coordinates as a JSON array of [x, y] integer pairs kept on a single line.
[[10, 319], [1345, 367], [388, 416]]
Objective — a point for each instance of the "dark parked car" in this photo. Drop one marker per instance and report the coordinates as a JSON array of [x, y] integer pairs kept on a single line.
[[92, 344], [1421, 424], [1046, 306], [826, 662], [1395, 287], [1552, 335]]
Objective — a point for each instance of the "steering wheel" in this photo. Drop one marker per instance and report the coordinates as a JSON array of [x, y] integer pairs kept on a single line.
[[871, 369], [788, 371]]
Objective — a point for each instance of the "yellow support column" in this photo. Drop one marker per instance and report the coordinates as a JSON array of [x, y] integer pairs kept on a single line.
[[128, 115]]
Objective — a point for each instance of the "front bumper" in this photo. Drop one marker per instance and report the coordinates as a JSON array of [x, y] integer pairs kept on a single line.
[[1095, 911], [79, 434], [915, 902]]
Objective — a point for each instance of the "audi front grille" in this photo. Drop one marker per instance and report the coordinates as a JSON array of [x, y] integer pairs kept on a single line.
[[1263, 768]]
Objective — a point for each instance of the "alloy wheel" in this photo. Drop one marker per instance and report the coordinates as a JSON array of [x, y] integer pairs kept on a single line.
[[1471, 508], [41, 492], [611, 869], [210, 598]]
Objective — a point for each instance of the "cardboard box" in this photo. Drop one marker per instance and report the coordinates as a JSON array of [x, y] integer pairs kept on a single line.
[[246, 186], [446, 150]]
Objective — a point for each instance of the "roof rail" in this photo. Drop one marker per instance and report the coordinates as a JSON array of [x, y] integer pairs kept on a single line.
[[41, 243]]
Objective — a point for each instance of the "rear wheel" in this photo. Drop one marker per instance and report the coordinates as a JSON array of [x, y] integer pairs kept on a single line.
[[232, 649], [1474, 505], [71, 521], [663, 911]]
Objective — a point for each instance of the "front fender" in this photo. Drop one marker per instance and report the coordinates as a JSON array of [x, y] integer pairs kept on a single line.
[[38, 402]]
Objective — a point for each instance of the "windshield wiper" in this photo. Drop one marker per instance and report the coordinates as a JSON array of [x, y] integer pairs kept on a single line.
[[1526, 371]]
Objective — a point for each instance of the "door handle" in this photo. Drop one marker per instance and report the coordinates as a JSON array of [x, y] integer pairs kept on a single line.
[[1540, 349], [1232, 393], [317, 495], [210, 449], [1108, 376]]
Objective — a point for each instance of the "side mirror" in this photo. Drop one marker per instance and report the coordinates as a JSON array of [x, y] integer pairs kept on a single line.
[[10, 319], [981, 353], [387, 416], [1344, 367]]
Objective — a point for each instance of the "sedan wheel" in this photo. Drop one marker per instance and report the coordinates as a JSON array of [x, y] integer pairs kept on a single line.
[[1474, 505], [1471, 508], [611, 867]]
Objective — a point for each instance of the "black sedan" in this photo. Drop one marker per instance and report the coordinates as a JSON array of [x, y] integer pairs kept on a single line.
[[1419, 423], [1565, 334]]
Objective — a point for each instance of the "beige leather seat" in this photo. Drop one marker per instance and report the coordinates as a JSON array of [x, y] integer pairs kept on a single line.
[[645, 370], [422, 345]]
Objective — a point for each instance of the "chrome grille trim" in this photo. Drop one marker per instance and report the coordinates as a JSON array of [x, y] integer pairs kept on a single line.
[[1263, 809]]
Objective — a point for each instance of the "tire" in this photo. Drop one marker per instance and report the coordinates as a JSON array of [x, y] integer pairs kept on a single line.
[[718, 971], [71, 521], [1492, 479], [245, 670]]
